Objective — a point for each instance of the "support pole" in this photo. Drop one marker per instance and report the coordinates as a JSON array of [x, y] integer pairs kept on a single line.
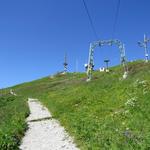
[[145, 48], [144, 45], [107, 61], [90, 63]]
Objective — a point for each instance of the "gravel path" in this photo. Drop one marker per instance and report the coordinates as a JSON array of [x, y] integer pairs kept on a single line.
[[44, 133]]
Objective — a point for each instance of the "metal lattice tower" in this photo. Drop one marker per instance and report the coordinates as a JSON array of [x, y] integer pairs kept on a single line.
[[101, 43], [65, 64], [144, 45]]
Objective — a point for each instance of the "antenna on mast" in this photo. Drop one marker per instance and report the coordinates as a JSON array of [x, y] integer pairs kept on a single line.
[[65, 64]]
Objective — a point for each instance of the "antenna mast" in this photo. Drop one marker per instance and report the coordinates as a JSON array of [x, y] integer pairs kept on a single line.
[[65, 64]]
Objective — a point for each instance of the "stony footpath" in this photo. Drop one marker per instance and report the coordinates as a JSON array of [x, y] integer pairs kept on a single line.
[[44, 133]]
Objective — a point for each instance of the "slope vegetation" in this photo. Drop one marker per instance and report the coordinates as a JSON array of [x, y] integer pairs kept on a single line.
[[106, 113], [13, 111]]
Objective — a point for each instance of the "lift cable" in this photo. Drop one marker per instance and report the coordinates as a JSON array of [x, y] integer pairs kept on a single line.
[[116, 18], [90, 20]]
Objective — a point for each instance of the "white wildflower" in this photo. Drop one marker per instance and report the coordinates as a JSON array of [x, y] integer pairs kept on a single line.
[[131, 102], [123, 123], [116, 130]]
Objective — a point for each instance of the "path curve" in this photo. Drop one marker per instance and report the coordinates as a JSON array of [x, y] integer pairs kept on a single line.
[[44, 133]]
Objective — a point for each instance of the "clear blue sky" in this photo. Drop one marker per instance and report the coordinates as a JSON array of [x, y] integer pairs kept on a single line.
[[35, 34]]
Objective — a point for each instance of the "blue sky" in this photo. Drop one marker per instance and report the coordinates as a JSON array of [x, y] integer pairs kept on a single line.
[[35, 34]]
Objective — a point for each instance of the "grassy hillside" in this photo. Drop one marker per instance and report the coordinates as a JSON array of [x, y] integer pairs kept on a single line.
[[106, 113], [13, 111]]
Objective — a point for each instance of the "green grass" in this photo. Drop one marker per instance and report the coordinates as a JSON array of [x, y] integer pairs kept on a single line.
[[107, 113], [13, 111]]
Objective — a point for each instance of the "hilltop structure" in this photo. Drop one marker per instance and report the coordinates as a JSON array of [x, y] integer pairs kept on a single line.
[[65, 64]]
